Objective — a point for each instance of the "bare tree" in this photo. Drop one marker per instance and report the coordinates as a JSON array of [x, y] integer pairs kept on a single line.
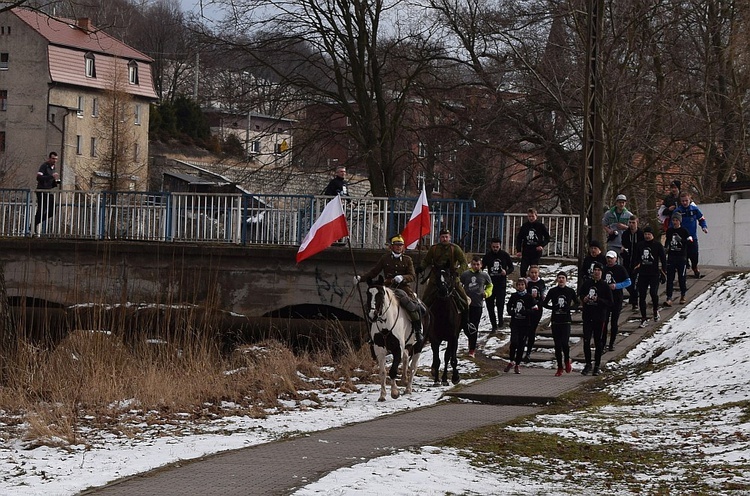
[[115, 134], [357, 57]]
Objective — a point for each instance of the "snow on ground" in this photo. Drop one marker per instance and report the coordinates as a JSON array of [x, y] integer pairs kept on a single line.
[[690, 402], [684, 396]]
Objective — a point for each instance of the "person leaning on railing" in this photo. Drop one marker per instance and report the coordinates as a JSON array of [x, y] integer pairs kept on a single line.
[[46, 178]]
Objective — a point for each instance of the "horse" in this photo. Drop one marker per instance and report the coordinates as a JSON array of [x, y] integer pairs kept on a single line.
[[444, 325], [391, 332]]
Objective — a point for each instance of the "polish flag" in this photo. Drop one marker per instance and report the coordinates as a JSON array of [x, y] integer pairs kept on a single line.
[[330, 226], [419, 223]]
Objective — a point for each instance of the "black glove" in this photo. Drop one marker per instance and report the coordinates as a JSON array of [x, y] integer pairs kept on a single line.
[[662, 278], [418, 269]]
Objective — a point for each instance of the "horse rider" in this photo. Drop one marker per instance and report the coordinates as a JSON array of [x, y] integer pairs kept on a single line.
[[398, 271], [447, 255]]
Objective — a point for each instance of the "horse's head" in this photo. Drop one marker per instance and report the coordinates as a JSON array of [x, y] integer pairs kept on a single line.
[[375, 299], [445, 282]]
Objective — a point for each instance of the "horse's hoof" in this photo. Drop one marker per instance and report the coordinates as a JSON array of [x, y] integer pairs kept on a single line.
[[445, 383], [456, 380], [381, 399], [436, 384], [395, 396]]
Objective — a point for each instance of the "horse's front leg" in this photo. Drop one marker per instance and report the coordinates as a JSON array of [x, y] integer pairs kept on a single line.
[[393, 373], [381, 366], [435, 363], [447, 359], [454, 363], [411, 370]]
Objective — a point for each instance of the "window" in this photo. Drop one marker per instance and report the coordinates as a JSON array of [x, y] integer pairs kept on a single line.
[[79, 110], [420, 180], [133, 72], [95, 107], [422, 150], [436, 184], [79, 145], [2, 141], [90, 65], [4, 61], [255, 146], [137, 117], [93, 147], [136, 152], [277, 149], [3, 100]]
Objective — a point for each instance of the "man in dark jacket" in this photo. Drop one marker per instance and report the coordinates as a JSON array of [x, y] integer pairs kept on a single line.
[[498, 264], [596, 299], [46, 179], [651, 262], [594, 256], [630, 239], [676, 244], [338, 185], [531, 240]]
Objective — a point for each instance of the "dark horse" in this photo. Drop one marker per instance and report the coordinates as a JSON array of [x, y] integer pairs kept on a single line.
[[444, 325]]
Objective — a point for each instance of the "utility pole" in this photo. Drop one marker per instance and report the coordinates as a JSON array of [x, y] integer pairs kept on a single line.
[[593, 134]]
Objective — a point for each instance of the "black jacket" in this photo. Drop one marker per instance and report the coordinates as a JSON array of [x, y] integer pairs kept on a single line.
[[599, 300], [337, 186], [531, 235], [497, 262]]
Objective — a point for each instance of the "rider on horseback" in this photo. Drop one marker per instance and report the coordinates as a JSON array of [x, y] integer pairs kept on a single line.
[[447, 255], [398, 270]]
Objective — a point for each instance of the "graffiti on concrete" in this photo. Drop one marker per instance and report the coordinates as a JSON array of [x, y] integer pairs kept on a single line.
[[328, 286]]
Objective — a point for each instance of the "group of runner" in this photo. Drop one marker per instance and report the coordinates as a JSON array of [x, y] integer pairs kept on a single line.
[[634, 261]]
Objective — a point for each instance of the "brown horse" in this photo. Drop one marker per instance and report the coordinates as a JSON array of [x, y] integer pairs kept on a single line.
[[444, 325]]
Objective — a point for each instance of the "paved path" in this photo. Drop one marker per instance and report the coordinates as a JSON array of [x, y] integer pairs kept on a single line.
[[283, 466]]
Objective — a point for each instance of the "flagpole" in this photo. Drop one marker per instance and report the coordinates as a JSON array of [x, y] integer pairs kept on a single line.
[[359, 291], [419, 260]]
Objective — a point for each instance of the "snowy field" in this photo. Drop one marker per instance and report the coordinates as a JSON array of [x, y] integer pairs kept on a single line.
[[684, 393]]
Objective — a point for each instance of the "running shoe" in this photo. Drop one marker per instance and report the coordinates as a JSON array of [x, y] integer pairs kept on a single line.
[[508, 367], [559, 372], [644, 323], [568, 366]]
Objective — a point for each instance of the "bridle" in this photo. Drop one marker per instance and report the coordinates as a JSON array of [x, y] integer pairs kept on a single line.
[[380, 311], [446, 285]]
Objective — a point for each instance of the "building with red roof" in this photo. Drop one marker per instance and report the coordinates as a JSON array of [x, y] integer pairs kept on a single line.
[[66, 86]]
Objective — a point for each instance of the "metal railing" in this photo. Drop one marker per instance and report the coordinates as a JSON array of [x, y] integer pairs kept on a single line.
[[246, 219]]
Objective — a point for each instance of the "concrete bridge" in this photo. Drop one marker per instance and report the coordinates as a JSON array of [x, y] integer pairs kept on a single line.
[[233, 283]]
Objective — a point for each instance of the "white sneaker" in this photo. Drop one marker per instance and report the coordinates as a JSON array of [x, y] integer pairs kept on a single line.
[[657, 316], [644, 323]]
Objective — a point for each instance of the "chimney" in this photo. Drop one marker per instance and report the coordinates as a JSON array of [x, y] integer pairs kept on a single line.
[[84, 23]]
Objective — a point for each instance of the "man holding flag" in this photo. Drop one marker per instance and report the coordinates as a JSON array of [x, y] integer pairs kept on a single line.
[[398, 270]]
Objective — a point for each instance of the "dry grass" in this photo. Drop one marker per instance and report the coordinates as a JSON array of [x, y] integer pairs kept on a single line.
[[96, 379]]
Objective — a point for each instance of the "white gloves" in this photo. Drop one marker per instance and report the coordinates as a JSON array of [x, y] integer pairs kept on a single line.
[[398, 279], [356, 280]]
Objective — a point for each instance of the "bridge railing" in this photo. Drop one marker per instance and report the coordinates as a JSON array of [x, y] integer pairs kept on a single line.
[[236, 218]]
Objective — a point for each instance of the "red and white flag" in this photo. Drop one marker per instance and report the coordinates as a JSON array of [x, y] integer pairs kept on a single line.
[[330, 226], [419, 223]]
